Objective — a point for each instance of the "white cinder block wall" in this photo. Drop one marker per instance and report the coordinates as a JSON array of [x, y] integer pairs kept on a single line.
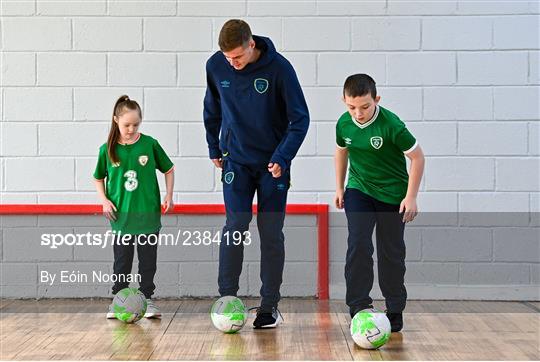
[[462, 74]]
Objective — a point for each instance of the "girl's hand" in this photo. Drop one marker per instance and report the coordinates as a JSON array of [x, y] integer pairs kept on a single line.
[[168, 204], [408, 208], [339, 199], [109, 210]]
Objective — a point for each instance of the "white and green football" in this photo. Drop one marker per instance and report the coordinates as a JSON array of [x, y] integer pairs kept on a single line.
[[129, 305], [370, 328], [228, 314]]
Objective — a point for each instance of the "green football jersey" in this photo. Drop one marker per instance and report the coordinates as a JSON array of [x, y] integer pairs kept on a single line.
[[132, 184], [376, 150]]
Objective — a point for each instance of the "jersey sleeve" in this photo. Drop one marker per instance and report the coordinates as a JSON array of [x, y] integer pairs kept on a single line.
[[403, 139], [163, 162], [339, 139], [101, 167]]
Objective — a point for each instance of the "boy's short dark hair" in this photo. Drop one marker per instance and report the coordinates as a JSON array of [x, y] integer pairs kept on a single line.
[[358, 85], [234, 33]]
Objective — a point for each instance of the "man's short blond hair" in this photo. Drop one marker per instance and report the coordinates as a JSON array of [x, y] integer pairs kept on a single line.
[[234, 33]]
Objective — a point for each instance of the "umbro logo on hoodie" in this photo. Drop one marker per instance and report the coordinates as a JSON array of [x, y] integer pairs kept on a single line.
[[225, 84]]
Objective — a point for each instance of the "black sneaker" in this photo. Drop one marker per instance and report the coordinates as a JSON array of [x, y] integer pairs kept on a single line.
[[396, 321], [356, 309], [267, 318]]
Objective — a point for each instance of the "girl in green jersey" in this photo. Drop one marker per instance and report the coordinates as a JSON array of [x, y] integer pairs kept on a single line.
[[127, 186]]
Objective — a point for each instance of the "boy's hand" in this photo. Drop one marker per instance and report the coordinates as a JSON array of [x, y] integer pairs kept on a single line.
[[168, 204], [408, 208], [109, 210], [274, 169], [339, 199]]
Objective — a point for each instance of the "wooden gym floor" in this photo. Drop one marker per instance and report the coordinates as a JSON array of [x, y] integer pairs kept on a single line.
[[64, 329]]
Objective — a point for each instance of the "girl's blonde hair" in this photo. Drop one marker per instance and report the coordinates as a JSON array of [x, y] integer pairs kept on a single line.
[[122, 105]]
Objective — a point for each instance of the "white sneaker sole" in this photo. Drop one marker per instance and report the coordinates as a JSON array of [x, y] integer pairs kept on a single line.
[[110, 315], [152, 315]]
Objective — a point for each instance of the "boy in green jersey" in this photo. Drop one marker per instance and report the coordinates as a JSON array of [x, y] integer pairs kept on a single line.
[[127, 185], [373, 141]]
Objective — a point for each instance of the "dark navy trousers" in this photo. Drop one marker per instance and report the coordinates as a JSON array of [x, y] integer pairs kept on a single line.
[[363, 213], [123, 261], [240, 183]]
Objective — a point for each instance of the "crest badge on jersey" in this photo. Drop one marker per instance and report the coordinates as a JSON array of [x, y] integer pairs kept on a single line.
[[376, 142], [143, 160], [261, 85]]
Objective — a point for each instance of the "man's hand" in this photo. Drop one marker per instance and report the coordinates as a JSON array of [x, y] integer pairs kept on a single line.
[[408, 208], [218, 162], [274, 169]]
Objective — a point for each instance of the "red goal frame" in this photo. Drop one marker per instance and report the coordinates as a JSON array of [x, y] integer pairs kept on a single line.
[[319, 210]]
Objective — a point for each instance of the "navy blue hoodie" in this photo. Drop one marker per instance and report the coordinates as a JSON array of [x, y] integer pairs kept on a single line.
[[255, 115]]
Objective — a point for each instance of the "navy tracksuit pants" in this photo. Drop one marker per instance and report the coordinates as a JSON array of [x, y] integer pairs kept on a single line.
[[123, 261], [363, 213], [240, 183]]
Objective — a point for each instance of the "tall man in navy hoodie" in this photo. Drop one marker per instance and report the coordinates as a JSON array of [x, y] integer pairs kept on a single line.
[[256, 118]]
